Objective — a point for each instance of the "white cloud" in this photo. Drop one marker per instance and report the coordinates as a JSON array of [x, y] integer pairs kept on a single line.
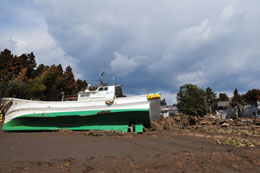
[[30, 34], [44, 47], [227, 14], [122, 65], [197, 77], [7, 43], [194, 34], [212, 52]]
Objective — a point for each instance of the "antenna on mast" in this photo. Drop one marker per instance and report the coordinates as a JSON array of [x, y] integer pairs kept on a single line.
[[101, 77]]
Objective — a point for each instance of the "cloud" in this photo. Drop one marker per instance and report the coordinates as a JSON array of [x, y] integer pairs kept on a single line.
[[29, 33], [7, 43], [122, 65], [197, 78], [211, 53], [151, 45], [227, 13]]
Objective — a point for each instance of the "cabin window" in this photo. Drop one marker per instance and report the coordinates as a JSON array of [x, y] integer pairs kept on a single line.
[[100, 89], [105, 89]]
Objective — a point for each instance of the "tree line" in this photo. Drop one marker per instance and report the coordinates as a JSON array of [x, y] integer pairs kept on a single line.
[[20, 77], [192, 100]]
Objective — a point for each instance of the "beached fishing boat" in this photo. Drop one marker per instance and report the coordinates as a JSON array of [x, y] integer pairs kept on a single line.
[[101, 109]]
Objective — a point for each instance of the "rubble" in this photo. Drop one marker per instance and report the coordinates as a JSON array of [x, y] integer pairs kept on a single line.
[[239, 132], [165, 123], [186, 121], [256, 121], [225, 125]]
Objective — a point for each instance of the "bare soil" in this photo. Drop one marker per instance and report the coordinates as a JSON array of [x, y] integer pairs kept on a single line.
[[171, 145]]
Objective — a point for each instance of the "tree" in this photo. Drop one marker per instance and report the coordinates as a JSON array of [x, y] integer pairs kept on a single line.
[[20, 77], [237, 102], [16, 89], [236, 98], [60, 78], [253, 97], [52, 79], [70, 87], [11, 66], [211, 100], [26, 61], [223, 97], [40, 69], [35, 89], [192, 100], [163, 102], [81, 85], [4, 85], [5, 59]]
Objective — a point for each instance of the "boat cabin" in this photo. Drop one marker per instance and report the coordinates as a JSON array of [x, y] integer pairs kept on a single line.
[[105, 92]]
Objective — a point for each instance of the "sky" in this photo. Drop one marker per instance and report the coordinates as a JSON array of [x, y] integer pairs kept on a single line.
[[146, 45]]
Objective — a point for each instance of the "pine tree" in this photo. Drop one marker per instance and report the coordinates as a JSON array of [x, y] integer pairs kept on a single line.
[[81, 85], [70, 87], [236, 102], [211, 100], [192, 100], [223, 97]]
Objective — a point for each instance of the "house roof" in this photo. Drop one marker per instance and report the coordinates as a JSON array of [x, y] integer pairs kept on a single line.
[[223, 104], [170, 108]]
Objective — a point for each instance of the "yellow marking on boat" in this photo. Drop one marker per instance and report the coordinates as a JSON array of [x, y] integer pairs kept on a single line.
[[153, 96]]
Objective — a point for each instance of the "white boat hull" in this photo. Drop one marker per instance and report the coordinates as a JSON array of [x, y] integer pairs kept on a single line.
[[121, 110]]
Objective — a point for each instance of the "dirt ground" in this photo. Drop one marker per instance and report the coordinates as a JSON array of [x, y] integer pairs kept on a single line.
[[208, 145]]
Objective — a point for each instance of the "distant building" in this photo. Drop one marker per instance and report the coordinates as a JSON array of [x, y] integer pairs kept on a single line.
[[246, 111], [224, 109], [224, 105], [168, 111]]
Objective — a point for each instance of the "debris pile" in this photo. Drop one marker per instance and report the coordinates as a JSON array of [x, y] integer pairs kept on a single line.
[[165, 123], [186, 121], [215, 120]]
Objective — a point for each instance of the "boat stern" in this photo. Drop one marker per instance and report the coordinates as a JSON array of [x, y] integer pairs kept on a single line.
[[155, 106]]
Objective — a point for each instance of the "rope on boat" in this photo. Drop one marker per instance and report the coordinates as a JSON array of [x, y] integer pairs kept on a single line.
[[3, 107], [110, 101]]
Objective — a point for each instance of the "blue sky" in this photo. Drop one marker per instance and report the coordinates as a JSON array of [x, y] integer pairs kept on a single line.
[[147, 45]]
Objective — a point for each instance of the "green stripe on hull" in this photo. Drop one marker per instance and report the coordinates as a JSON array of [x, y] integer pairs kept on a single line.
[[118, 127], [105, 120]]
